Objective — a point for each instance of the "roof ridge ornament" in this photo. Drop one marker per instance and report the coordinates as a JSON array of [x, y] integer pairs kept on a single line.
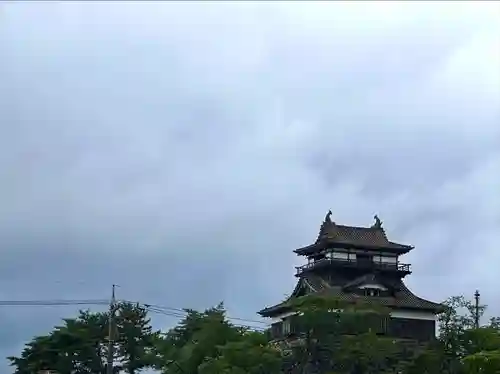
[[378, 222], [323, 230], [328, 218]]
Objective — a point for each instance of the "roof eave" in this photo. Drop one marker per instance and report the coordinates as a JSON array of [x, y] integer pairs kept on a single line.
[[273, 310], [402, 248], [434, 309], [308, 249], [397, 248]]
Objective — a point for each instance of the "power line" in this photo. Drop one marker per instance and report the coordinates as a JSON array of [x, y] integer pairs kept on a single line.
[[158, 309], [179, 315], [113, 303], [52, 302]]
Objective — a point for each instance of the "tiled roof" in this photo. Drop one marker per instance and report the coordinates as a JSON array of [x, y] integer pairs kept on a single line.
[[316, 284], [369, 237], [403, 297], [365, 279], [360, 235]]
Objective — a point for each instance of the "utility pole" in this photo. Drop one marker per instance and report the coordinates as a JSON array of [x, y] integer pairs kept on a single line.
[[111, 341], [476, 308]]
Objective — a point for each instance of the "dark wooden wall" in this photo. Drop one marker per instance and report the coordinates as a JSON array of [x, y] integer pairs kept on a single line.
[[405, 328], [412, 329]]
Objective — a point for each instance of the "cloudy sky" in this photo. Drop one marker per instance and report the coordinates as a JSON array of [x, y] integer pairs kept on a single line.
[[183, 151]]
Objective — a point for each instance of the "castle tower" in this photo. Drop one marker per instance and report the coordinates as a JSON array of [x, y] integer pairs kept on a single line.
[[359, 264]]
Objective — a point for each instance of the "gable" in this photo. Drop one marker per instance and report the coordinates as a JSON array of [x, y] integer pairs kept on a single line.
[[301, 289], [304, 287], [370, 285], [374, 286], [366, 281]]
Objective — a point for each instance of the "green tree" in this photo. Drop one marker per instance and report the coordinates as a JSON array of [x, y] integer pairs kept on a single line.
[[484, 362], [461, 348], [331, 335], [458, 317], [136, 338], [482, 350], [194, 340], [250, 354], [206, 342], [37, 355], [75, 347], [344, 337], [79, 345], [430, 360]]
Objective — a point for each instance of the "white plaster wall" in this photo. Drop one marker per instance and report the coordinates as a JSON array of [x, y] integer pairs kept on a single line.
[[414, 314], [388, 260], [280, 317], [375, 286], [410, 314], [339, 255]]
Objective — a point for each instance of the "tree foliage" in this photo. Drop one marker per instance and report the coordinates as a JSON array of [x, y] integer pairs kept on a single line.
[[345, 337], [333, 338], [79, 345], [461, 347], [248, 354], [207, 343]]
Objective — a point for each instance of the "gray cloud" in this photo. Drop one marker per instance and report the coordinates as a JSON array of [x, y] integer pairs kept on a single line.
[[183, 151]]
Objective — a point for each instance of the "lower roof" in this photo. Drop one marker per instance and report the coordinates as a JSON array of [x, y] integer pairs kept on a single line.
[[402, 299]]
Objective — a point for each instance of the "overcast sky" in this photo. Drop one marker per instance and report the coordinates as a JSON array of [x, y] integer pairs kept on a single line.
[[183, 151]]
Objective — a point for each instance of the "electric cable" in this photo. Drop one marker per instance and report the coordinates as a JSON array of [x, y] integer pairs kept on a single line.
[[158, 309]]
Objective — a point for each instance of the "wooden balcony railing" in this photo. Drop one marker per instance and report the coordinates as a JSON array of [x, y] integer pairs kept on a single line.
[[355, 263]]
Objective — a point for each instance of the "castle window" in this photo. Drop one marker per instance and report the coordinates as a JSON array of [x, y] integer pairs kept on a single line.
[[345, 256], [389, 260], [286, 326], [371, 292]]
